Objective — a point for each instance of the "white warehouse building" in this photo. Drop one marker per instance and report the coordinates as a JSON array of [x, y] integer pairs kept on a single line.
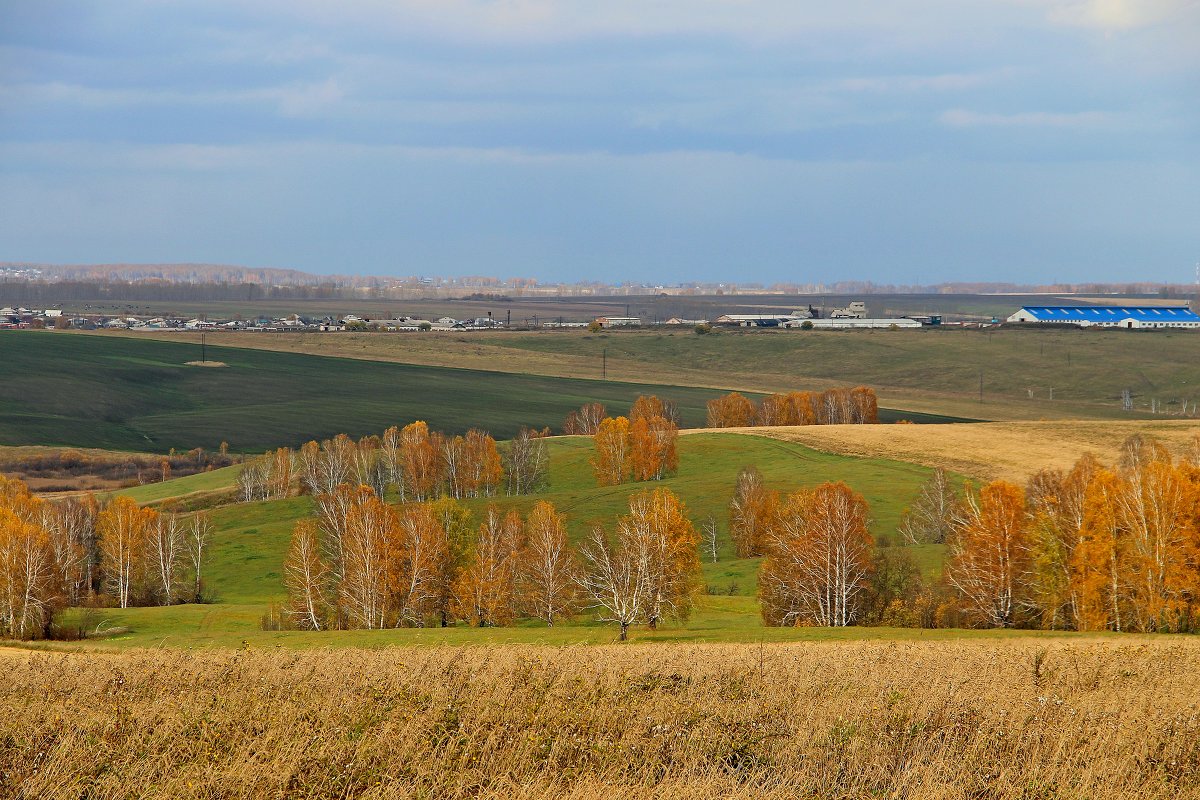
[[1110, 316]]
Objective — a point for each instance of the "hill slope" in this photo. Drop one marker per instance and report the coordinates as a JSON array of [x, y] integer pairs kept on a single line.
[[251, 540]]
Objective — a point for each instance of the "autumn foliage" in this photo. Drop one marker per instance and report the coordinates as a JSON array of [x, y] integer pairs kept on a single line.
[[819, 558], [1093, 548], [857, 406], [417, 463], [650, 569], [53, 555], [641, 447]]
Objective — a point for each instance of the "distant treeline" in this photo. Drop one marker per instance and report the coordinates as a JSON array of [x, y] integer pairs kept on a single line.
[[48, 294]]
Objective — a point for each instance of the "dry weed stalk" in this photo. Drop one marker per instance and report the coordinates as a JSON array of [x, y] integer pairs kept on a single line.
[[1014, 718]]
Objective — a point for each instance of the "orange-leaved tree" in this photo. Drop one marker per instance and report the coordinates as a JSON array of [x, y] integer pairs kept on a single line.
[[989, 554], [123, 529], [733, 410], [751, 513], [652, 448], [658, 529], [484, 592], [819, 557]]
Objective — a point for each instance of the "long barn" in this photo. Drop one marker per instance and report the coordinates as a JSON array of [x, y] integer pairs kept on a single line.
[[1110, 316]]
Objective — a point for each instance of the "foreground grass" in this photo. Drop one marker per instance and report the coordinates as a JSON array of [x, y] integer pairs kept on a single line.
[[1025, 717]]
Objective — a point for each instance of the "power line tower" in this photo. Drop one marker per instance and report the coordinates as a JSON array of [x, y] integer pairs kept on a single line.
[[1127, 400]]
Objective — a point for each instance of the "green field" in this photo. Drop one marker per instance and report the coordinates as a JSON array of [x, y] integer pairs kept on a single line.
[[1024, 374], [139, 394], [251, 539]]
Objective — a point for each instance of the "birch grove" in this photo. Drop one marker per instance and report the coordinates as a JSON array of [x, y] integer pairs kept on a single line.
[[818, 558]]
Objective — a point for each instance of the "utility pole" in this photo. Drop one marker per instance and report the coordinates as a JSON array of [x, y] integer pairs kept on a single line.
[[203, 349], [604, 365], [981, 386]]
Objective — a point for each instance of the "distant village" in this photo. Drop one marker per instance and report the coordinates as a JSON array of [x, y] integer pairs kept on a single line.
[[853, 315]]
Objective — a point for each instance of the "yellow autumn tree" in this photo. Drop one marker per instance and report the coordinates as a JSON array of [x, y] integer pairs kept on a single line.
[[547, 572], [611, 454], [989, 552], [733, 410], [484, 592], [819, 558]]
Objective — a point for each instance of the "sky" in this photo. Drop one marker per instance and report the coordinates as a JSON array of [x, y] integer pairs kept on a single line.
[[656, 141]]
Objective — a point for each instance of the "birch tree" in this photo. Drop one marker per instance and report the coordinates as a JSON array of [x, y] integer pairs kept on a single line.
[[751, 513], [932, 516], [548, 575], [525, 463], [989, 552], [123, 528], [164, 554], [615, 581], [818, 560], [307, 578], [611, 458], [484, 593], [199, 532]]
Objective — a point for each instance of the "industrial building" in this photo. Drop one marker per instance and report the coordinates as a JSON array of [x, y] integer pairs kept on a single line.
[[1137, 317]]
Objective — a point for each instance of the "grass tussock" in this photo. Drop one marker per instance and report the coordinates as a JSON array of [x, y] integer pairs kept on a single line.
[[1023, 718]]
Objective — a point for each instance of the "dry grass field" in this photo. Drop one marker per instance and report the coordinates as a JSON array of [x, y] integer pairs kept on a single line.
[[987, 450], [1014, 717]]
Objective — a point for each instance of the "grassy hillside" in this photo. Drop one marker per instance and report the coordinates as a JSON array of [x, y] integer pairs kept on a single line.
[[251, 539], [929, 370], [94, 391], [200, 483]]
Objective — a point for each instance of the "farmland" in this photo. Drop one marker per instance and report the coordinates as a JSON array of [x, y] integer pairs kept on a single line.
[[1071, 374], [990, 450], [141, 395]]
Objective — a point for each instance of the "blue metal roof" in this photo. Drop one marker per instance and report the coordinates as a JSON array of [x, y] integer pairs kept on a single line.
[[1112, 313]]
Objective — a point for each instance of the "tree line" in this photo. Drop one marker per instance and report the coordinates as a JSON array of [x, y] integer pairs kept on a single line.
[[362, 563], [79, 551], [1097, 547], [1092, 548], [417, 463], [839, 406], [640, 447]]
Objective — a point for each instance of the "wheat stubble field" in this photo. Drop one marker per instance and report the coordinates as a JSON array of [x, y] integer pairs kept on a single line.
[[992, 450], [1022, 717]]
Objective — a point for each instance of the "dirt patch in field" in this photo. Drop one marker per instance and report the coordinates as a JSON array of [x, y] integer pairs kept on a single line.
[[989, 450], [205, 364]]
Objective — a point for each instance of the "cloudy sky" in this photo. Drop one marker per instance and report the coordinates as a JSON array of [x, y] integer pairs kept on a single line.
[[651, 140]]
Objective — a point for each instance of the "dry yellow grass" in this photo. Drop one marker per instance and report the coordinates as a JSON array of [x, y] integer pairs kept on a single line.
[[1016, 718], [991, 450]]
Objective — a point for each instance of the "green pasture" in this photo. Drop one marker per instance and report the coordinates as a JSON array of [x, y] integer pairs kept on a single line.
[[200, 483]]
